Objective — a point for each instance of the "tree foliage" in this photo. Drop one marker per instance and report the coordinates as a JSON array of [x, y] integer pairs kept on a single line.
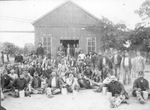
[[113, 35], [140, 38], [10, 48], [144, 10], [29, 48]]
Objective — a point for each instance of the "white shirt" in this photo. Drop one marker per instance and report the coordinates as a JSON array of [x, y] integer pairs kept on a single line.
[[82, 56], [115, 59], [107, 80], [126, 62], [54, 82], [104, 61], [13, 76]]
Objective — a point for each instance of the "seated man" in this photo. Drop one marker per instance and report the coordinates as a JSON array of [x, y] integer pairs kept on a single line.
[[88, 60], [96, 75], [53, 83], [20, 84], [72, 83], [38, 69], [36, 84], [62, 68], [86, 82], [6, 81], [13, 75], [47, 72], [118, 91], [31, 70], [140, 86], [88, 72], [105, 82], [27, 76]]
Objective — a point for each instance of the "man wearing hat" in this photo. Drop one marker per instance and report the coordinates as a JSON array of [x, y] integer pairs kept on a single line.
[[40, 50], [13, 75], [118, 91], [104, 63], [140, 86]]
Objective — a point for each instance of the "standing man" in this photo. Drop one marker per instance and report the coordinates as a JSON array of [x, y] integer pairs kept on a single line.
[[104, 63], [116, 59], [77, 51], [138, 64], [126, 66], [82, 56], [40, 50], [19, 58], [2, 57]]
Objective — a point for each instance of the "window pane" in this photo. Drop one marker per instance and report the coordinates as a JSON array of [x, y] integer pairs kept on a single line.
[[93, 39], [89, 43], [89, 49], [89, 40], [93, 48], [49, 39], [49, 49], [93, 43], [48, 43], [44, 39], [44, 48]]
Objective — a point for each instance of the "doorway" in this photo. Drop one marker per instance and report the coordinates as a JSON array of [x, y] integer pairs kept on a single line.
[[70, 42]]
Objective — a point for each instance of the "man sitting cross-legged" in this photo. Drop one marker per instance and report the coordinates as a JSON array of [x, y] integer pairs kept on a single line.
[[119, 94], [20, 84], [53, 85], [105, 82], [36, 84], [72, 83], [140, 87]]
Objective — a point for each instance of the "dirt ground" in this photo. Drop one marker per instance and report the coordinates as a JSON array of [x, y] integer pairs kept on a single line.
[[84, 100]]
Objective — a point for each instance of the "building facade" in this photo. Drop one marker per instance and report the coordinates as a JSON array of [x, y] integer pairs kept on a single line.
[[67, 25]]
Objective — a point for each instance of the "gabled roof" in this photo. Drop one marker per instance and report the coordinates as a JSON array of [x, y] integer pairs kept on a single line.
[[68, 2]]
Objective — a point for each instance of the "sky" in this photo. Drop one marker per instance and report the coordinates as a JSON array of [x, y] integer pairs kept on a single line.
[[19, 15]]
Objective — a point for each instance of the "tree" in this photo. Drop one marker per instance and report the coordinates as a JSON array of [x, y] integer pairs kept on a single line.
[[10, 48], [140, 38], [29, 48], [144, 10], [114, 35]]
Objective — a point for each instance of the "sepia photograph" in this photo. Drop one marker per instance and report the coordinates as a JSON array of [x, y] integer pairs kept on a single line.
[[74, 54]]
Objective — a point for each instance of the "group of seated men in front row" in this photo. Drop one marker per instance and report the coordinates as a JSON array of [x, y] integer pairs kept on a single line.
[[42, 75]]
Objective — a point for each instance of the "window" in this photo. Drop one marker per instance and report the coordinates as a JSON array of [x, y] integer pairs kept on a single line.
[[47, 44], [91, 44]]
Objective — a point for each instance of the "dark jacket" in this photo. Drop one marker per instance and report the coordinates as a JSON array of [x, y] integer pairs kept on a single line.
[[100, 62], [40, 51], [20, 84], [36, 83], [19, 58], [118, 60], [123, 61], [5, 81], [141, 83], [31, 71], [116, 88], [58, 82]]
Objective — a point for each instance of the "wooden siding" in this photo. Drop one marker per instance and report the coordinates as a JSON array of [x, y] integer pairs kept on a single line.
[[66, 22], [67, 15]]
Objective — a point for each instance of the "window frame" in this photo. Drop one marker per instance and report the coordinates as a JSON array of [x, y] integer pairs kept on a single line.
[[90, 39], [47, 46]]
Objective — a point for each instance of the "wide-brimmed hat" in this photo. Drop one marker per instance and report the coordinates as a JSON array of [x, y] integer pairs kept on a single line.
[[113, 78]]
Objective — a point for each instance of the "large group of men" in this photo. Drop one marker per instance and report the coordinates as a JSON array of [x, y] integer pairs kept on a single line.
[[71, 71]]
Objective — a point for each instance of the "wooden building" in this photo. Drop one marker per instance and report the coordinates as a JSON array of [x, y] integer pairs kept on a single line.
[[67, 25]]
